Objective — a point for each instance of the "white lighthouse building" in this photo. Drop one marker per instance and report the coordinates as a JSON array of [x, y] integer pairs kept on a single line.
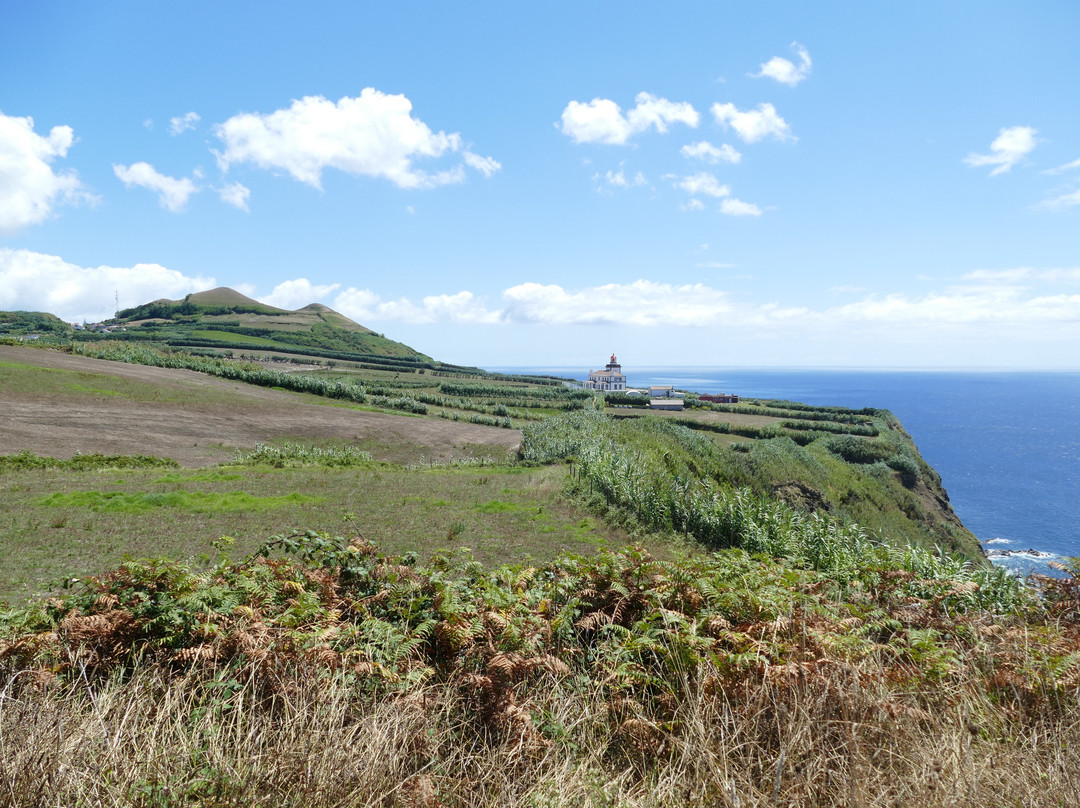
[[610, 378]]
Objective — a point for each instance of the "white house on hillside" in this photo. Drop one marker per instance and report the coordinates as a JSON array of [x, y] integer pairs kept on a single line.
[[610, 378]]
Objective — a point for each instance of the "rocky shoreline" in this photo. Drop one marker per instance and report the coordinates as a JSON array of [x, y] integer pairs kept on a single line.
[[1029, 553]]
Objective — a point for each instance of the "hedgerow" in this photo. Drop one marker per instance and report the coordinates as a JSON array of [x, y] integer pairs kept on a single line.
[[92, 460]]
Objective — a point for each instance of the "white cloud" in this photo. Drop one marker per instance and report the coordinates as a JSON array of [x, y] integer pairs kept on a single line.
[[962, 306], [1030, 274], [1071, 275], [753, 125], [978, 307], [1011, 145], [363, 306], [708, 185], [357, 304], [462, 307], [703, 183], [736, 207], [373, 135], [714, 265], [34, 281], [783, 70], [1003, 275], [618, 179], [173, 194], [703, 150], [1075, 164], [183, 123], [485, 165], [602, 120], [599, 121], [659, 112], [1063, 201], [297, 293], [235, 194], [29, 188], [641, 303]]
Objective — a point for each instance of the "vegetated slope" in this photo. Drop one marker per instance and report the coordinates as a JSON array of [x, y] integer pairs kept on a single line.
[[224, 318], [23, 323], [669, 474]]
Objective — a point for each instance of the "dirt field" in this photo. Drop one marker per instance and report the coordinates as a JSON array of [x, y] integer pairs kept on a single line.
[[198, 420]]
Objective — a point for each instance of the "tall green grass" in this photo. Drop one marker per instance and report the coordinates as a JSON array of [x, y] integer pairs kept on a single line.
[[28, 460], [671, 478], [298, 454]]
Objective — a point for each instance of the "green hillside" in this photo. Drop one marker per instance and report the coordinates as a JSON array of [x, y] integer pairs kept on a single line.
[[223, 322], [224, 318], [26, 323]]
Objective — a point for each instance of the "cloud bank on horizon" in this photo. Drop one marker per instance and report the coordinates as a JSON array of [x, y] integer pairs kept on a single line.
[[1017, 298], [439, 202]]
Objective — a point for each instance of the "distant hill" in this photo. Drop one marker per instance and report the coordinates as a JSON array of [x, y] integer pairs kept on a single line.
[[224, 296], [226, 319], [23, 323], [223, 320]]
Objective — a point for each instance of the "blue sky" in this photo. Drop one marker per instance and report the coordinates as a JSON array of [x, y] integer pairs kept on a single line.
[[723, 184]]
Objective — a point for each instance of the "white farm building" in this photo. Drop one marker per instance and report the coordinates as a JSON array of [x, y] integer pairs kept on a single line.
[[610, 378]]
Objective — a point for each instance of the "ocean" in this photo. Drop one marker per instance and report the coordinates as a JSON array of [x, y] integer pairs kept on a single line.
[[1007, 444]]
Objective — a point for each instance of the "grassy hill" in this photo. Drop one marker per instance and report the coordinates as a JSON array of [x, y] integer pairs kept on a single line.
[[26, 323], [226, 319], [222, 321]]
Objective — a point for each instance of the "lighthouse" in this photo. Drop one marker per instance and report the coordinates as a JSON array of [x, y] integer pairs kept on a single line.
[[611, 378]]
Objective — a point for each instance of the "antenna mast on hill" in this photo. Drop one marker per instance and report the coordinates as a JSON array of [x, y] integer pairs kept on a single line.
[[117, 302]]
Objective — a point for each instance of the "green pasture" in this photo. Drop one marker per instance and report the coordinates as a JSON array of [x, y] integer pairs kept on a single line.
[[60, 384], [59, 523], [231, 337]]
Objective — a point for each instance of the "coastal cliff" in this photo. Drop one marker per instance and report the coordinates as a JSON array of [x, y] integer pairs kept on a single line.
[[844, 466]]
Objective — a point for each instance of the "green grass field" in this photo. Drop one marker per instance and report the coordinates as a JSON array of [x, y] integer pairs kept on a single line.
[[228, 336], [58, 384], [61, 523]]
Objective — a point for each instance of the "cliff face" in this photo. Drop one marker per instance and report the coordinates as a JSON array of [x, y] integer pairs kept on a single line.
[[884, 484], [855, 465]]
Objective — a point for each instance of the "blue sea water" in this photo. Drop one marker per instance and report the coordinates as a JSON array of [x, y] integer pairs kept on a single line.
[[1007, 444]]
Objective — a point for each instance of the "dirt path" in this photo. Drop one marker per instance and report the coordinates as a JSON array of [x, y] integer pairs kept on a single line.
[[203, 419]]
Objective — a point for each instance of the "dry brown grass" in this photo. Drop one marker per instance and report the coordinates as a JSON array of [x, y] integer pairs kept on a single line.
[[799, 736], [358, 679]]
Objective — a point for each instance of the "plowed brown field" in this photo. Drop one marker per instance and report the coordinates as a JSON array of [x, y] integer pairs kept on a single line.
[[117, 408]]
